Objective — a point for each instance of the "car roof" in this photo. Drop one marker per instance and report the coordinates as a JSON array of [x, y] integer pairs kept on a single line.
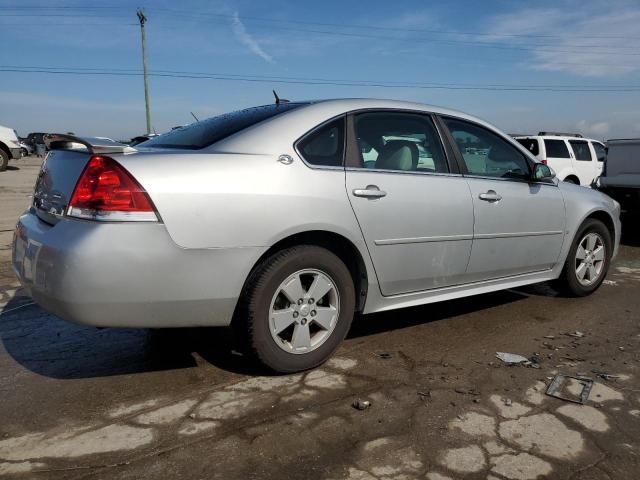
[[558, 137]]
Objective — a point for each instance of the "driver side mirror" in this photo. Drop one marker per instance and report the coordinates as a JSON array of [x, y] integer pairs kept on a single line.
[[542, 172]]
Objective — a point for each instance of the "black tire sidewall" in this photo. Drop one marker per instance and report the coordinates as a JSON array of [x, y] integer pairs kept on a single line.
[[4, 160], [570, 277], [275, 270]]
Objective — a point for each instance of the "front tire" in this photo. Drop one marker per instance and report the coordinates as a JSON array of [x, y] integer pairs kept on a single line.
[[588, 260], [296, 309], [4, 160]]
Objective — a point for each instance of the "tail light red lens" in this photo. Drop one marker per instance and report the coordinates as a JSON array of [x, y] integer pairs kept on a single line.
[[544, 162], [106, 191]]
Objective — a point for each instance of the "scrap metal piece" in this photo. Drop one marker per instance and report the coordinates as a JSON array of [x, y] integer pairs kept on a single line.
[[558, 383], [361, 404], [512, 358]]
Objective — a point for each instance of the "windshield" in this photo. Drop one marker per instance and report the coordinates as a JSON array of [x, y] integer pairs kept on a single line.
[[207, 132]]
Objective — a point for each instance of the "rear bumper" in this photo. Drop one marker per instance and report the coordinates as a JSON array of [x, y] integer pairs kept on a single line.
[[127, 274]]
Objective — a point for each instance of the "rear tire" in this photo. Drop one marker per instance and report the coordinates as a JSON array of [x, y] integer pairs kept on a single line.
[[278, 319], [4, 160], [588, 260]]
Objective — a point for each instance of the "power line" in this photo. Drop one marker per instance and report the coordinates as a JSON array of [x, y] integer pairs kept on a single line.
[[345, 83], [325, 24], [318, 79], [547, 48]]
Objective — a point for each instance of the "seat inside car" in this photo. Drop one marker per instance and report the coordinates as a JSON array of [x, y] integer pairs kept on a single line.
[[398, 155]]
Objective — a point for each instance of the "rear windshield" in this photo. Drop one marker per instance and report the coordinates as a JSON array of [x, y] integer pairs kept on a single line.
[[530, 144], [207, 132], [556, 149], [623, 158]]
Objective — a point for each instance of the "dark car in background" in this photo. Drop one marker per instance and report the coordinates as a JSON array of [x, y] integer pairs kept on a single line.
[[620, 177]]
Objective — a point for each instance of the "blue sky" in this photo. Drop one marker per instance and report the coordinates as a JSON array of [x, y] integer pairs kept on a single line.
[[573, 44]]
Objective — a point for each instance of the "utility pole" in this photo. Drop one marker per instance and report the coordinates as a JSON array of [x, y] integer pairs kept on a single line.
[[143, 20]]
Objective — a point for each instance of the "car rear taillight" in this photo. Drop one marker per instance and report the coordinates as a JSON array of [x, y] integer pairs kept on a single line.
[[544, 162], [106, 191]]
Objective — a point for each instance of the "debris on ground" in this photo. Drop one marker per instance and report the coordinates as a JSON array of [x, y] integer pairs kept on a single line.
[[424, 395], [384, 355], [467, 391], [605, 376], [613, 283], [557, 388], [507, 402], [511, 358], [514, 359], [361, 404], [576, 334], [549, 337]]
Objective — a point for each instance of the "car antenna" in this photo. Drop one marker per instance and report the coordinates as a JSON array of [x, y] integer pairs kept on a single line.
[[278, 99], [193, 115]]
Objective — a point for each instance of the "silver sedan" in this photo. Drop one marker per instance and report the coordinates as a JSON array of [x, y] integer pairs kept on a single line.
[[283, 220]]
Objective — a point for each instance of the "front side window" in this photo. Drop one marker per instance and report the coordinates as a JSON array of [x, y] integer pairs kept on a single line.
[[324, 146], [601, 153], [399, 141], [581, 150], [485, 153]]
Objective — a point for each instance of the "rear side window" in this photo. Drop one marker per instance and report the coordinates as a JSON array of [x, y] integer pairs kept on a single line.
[[530, 144], [556, 149], [601, 153], [581, 150], [324, 146], [207, 132]]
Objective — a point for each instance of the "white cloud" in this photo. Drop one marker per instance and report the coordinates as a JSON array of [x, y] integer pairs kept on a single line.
[[245, 37], [595, 129], [583, 39]]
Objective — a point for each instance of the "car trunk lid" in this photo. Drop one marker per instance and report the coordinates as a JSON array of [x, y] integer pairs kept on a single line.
[[62, 168]]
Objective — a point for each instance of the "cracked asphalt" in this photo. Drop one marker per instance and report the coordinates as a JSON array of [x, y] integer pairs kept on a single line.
[[79, 402]]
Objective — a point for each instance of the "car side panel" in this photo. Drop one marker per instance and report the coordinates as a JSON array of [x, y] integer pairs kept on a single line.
[[235, 200]]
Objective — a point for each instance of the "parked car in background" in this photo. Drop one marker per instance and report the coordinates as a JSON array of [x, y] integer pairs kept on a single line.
[[36, 140], [26, 148], [9, 147], [575, 159], [276, 225], [620, 177]]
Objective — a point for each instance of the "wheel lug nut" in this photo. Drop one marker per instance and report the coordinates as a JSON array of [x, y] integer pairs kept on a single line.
[[299, 301], [295, 314], [311, 300], [313, 313], [303, 322]]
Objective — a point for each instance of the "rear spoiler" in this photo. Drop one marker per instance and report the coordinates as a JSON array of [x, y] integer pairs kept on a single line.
[[59, 141]]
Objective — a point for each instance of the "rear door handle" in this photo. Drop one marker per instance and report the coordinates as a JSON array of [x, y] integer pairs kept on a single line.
[[490, 196], [371, 191]]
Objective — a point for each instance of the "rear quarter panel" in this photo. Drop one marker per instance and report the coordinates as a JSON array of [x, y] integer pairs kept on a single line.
[[230, 200]]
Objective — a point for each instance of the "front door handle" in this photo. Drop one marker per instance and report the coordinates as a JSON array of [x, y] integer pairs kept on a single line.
[[490, 196], [371, 191]]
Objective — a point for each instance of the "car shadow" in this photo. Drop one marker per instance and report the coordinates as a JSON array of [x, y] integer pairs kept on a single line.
[[49, 346], [12, 167]]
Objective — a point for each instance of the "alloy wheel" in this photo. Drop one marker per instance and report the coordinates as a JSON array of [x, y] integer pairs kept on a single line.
[[590, 259], [304, 311]]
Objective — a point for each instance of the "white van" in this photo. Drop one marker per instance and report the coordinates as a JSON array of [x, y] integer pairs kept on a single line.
[[574, 158], [9, 147]]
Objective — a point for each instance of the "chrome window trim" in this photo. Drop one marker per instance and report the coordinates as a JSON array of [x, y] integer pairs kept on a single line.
[[402, 172]]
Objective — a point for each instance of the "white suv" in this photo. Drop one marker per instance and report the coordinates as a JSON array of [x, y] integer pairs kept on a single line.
[[9, 146], [574, 158]]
